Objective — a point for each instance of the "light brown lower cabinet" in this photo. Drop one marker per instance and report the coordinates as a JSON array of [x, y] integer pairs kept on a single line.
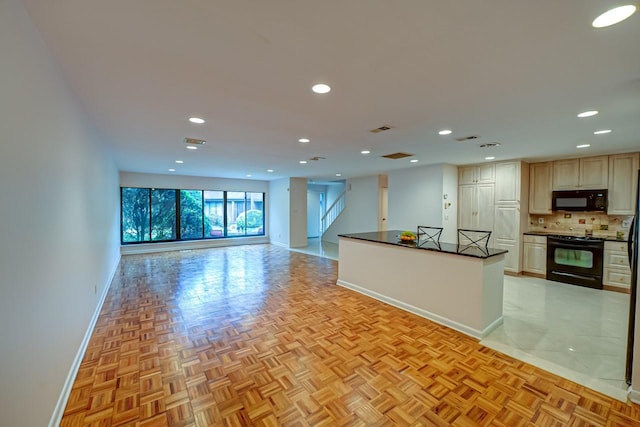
[[534, 256], [617, 273]]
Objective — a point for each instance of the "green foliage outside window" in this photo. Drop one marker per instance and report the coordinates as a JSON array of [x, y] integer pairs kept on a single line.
[[152, 214], [163, 214], [135, 214], [191, 214], [249, 219]]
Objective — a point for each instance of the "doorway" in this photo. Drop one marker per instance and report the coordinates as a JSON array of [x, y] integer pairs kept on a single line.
[[315, 207]]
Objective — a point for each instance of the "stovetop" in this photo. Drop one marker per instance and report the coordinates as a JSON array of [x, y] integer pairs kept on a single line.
[[574, 237], [578, 238]]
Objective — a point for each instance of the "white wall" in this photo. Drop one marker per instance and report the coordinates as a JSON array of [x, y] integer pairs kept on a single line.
[[415, 197], [333, 191], [298, 212], [147, 180], [279, 212], [361, 209], [313, 213], [59, 233], [450, 213]]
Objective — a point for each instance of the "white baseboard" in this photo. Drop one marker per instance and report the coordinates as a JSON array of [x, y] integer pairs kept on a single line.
[[634, 395], [282, 245], [475, 333], [58, 411], [148, 248]]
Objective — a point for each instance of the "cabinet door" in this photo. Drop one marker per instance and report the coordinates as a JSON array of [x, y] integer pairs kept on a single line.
[[594, 172], [623, 182], [507, 223], [484, 215], [466, 175], [511, 258], [508, 182], [506, 235], [466, 206], [486, 173], [566, 174], [534, 258], [540, 182]]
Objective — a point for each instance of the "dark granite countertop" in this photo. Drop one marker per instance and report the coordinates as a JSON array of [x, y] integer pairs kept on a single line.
[[552, 234], [391, 238]]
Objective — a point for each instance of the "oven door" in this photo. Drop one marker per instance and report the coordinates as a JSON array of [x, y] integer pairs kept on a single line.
[[577, 263]]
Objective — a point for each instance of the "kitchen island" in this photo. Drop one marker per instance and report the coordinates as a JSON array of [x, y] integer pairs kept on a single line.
[[454, 285]]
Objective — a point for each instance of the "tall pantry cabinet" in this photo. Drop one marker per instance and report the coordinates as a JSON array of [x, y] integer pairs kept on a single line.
[[493, 197], [475, 197], [511, 211]]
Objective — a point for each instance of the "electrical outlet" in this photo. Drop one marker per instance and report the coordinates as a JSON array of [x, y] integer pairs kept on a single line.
[[540, 220]]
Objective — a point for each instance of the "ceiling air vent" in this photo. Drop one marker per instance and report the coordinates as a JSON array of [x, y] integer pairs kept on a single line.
[[194, 141], [490, 145], [467, 138], [316, 158], [396, 156], [380, 129]]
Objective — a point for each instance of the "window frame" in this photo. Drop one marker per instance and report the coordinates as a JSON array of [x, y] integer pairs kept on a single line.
[[179, 238]]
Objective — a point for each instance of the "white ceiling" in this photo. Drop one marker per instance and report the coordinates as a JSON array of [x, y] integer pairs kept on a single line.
[[512, 71]]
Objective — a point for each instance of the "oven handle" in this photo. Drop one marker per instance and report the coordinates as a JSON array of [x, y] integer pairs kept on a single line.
[[630, 240], [563, 245]]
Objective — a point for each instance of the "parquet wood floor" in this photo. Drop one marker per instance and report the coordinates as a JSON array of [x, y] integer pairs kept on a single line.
[[258, 335]]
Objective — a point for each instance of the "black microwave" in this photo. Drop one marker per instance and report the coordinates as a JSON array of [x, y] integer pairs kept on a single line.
[[579, 201]]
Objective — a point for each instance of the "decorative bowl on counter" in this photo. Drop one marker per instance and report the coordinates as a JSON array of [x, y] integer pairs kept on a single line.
[[407, 237]]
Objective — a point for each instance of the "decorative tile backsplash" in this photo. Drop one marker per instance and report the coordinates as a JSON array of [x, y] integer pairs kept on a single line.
[[582, 223]]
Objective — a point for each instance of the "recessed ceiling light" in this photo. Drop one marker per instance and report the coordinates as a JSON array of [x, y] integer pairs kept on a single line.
[[270, 170], [588, 114], [583, 146], [602, 132], [248, 175], [303, 162], [180, 161], [304, 140], [191, 147], [414, 160], [196, 120], [338, 174], [365, 152], [613, 16], [321, 88], [172, 170], [445, 132], [490, 158]]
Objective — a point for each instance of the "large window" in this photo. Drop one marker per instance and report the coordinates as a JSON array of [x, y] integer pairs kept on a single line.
[[136, 222], [163, 214], [245, 215], [214, 213], [151, 215], [191, 214]]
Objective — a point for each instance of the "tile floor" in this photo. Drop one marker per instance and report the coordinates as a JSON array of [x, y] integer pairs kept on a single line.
[[315, 246], [571, 331], [575, 332]]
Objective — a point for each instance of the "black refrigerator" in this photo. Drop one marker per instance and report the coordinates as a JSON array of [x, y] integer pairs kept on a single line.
[[633, 263]]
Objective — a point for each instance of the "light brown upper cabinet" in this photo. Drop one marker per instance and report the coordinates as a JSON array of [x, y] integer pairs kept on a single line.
[[540, 187], [475, 206], [508, 182], [477, 174], [623, 183], [581, 174]]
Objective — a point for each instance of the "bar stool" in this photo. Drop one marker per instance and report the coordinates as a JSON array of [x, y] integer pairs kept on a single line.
[[476, 238], [428, 233]]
